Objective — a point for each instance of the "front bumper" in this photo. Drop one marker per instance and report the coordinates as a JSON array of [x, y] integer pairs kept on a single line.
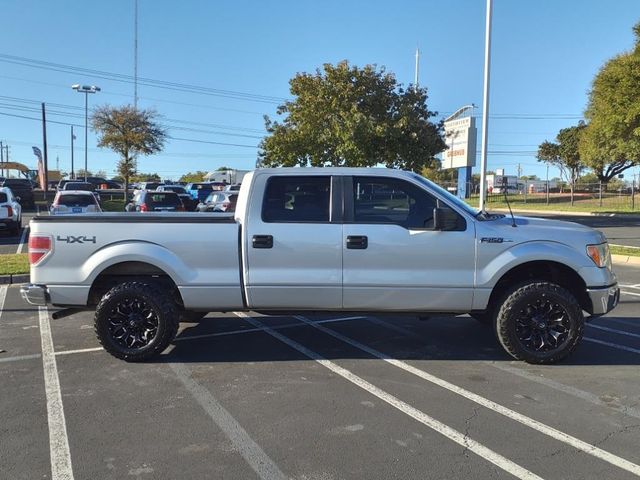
[[604, 299], [35, 294]]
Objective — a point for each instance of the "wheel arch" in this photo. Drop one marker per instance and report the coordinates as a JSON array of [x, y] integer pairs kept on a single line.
[[543, 270], [127, 271]]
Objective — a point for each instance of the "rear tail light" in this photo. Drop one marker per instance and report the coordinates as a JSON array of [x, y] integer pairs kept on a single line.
[[9, 211], [180, 208], [39, 247], [144, 208], [225, 205]]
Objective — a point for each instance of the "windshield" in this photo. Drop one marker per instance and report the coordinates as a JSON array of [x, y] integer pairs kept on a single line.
[[448, 196]]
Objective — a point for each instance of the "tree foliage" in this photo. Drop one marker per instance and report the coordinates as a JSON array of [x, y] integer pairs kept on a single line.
[[129, 132], [348, 116], [611, 141], [565, 154], [191, 177]]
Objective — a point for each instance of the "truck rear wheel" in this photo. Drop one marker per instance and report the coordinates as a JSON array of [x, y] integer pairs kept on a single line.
[[135, 321], [539, 322]]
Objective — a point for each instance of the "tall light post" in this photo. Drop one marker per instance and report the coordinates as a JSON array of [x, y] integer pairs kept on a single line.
[[86, 89], [485, 106]]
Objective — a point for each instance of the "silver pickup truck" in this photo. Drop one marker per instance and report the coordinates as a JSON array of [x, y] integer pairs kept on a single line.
[[325, 239]]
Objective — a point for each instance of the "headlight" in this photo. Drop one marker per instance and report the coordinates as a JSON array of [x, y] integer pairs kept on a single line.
[[600, 255]]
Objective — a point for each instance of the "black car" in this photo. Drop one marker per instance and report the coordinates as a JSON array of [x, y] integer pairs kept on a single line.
[[188, 202], [152, 201], [21, 187]]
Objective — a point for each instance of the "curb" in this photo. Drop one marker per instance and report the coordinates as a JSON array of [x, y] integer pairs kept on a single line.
[[630, 216], [11, 279], [626, 260]]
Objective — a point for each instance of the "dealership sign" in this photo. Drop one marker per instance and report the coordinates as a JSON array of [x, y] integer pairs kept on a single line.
[[460, 137]]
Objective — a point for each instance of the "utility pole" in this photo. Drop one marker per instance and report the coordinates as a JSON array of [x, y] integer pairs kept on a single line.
[[417, 73], [1, 160], [547, 184], [44, 144], [485, 107], [135, 56], [73, 137]]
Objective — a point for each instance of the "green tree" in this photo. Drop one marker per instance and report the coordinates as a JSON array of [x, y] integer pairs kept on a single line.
[[129, 132], [191, 177], [145, 177], [565, 154], [611, 142], [348, 116]]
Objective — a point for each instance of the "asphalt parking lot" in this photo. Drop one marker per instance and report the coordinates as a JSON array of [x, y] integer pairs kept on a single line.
[[317, 397]]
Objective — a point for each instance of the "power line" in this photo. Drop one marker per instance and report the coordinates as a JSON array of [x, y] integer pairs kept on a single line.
[[150, 82]]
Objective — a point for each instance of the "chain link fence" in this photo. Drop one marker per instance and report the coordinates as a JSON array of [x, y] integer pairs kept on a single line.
[[586, 196]]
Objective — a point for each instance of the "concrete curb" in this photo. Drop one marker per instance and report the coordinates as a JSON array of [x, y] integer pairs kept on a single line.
[[630, 216], [11, 279], [626, 260]]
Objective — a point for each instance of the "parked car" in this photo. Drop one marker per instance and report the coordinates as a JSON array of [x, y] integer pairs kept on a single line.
[[10, 211], [21, 187], [199, 191], [302, 239], [73, 202], [188, 202], [153, 201], [219, 202]]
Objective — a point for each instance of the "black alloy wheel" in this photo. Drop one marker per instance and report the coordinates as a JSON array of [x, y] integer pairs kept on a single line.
[[135, 321], [539, 322]]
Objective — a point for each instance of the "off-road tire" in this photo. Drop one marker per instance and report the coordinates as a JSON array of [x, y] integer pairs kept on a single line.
[[157, 301], [518, 298]]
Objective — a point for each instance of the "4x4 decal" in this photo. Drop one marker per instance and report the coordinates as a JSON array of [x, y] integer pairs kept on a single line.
[[74, 239]]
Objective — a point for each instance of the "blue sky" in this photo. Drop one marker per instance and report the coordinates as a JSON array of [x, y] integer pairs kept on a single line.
[[544, 56]]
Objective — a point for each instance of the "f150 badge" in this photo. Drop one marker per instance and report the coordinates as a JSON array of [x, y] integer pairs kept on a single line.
[[74, 239], [494, 240]]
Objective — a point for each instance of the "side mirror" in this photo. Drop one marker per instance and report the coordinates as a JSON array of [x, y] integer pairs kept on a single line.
[[444, 219], [18, 199]]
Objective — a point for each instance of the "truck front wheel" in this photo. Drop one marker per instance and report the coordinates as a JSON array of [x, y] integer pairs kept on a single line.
[[135, 321], [539, 322]]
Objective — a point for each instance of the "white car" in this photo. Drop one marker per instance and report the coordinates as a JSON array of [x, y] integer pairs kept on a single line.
[[10, 211], [73, 202]]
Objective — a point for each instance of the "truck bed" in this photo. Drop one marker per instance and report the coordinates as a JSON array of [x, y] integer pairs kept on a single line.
[[198, 251]]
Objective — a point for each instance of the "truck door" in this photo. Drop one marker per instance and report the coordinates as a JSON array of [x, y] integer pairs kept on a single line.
[[393, 259], [293, 244]]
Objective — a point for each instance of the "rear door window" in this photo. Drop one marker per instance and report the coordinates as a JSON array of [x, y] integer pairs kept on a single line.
[[3, 198], [304, 199]]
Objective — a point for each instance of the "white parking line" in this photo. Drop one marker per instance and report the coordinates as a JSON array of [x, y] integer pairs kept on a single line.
[[576, 392], [3, 296], [257, 459], [251, 330], [634, 294], [22, 239], [629, 286], [613, 330], [452, 434], [507, 412], [612, 345], [187, 337], [61, 468]]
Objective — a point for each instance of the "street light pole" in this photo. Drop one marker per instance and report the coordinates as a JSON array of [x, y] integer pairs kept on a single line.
[[86, 89], [485, 107]]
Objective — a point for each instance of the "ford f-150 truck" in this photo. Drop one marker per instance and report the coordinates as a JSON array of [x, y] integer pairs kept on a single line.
[[325, 239]]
